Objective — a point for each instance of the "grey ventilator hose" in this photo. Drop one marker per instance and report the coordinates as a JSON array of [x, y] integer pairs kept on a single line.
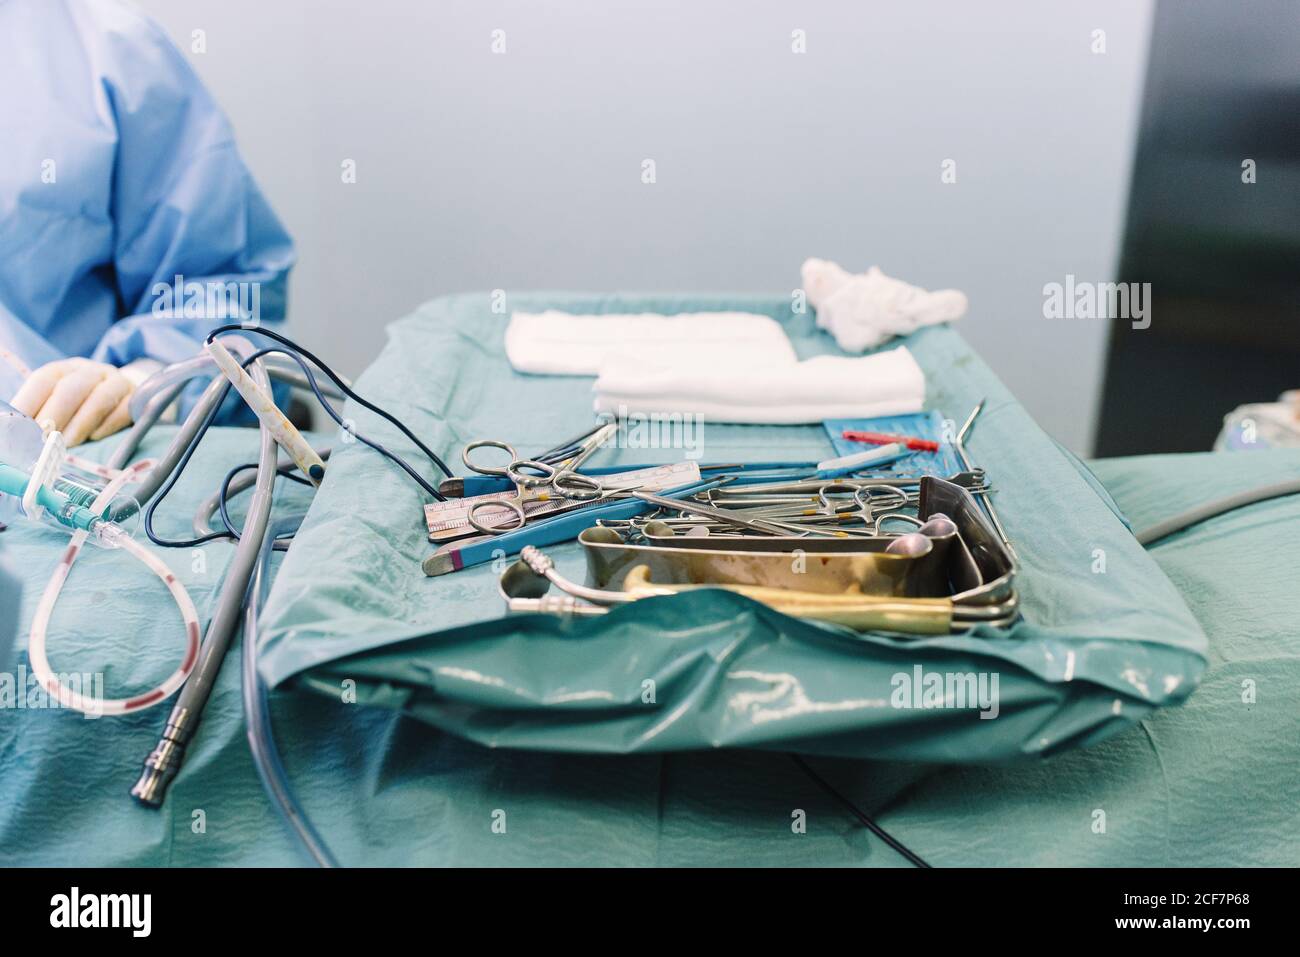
[[153, 480], [208, 507], [163, 762], [257, 717], [278, 367], [141, 426], [1216, 507]]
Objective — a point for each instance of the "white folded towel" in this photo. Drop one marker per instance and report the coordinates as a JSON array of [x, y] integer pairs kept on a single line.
[[825, 387], [862, 311], [559, 343]]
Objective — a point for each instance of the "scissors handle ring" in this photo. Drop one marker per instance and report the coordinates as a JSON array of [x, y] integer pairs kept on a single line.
[[529, 473], [512, 505], [874, 498], [896, 517], [570, 484], [828, 504], [497, 470]]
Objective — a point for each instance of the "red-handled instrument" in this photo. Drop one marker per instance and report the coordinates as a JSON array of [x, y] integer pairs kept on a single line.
[[881, 438]]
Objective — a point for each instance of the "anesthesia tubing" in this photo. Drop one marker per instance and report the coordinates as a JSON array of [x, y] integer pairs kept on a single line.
[[91, 514], [164, 761], [146, 484], [113, 536]]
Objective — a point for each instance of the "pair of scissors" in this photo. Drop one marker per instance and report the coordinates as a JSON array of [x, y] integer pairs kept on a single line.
[[547, 478], [454, 556], [462, 486], [560, 462], [567, 490]]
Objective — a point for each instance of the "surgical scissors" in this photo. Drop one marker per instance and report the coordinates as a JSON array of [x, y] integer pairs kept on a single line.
[[552, 477], [515, 505], [556, 468]]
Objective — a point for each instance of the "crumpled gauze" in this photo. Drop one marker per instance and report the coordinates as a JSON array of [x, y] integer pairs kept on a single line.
[[861, 311]]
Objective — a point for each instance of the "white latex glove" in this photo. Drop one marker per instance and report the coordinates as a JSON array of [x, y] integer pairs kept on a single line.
[[80, 398]]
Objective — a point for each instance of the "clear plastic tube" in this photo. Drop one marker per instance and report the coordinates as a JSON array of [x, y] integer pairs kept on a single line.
[[85, 489], [21, 443], [113, 536], [257, 717]]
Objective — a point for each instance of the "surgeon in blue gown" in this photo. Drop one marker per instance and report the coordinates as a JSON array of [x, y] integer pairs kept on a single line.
[[119, 176]]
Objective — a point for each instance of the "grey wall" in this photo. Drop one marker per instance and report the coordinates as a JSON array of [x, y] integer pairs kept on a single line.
[[477, 170]]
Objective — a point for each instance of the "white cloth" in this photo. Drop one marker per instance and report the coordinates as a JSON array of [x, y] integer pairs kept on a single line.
[[782, 393], [861, 311], [559, 343]]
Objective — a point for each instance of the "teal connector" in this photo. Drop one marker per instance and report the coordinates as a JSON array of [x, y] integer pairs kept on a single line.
[[59, 507]]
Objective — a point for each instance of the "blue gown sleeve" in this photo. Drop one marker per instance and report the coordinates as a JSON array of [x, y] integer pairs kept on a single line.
[[196, 243]]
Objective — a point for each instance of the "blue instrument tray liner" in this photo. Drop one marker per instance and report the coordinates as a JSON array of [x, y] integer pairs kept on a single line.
[[918, 425]]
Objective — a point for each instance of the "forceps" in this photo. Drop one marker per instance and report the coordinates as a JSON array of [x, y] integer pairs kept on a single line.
[[960, 445]]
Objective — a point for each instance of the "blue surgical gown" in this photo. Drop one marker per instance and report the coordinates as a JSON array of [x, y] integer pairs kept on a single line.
[[118, 173]]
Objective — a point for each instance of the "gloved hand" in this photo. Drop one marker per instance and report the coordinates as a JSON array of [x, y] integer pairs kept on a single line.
[[82, 399]]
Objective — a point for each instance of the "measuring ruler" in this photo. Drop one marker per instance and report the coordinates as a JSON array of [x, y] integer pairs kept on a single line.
[[449, 520]]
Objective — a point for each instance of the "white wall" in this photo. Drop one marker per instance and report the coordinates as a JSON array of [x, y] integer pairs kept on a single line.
[[480, 171]]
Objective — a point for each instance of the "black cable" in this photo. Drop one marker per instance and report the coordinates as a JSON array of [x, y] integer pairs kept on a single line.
[[861, 815], [175, 476], [223, 498], [370, 443], [343, 387], [325, 404]]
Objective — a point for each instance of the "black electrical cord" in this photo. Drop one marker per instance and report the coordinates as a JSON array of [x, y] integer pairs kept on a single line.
[[229, 533], [861, 815], [342, 386], [223, 499], [175, 476], [333, 414]]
